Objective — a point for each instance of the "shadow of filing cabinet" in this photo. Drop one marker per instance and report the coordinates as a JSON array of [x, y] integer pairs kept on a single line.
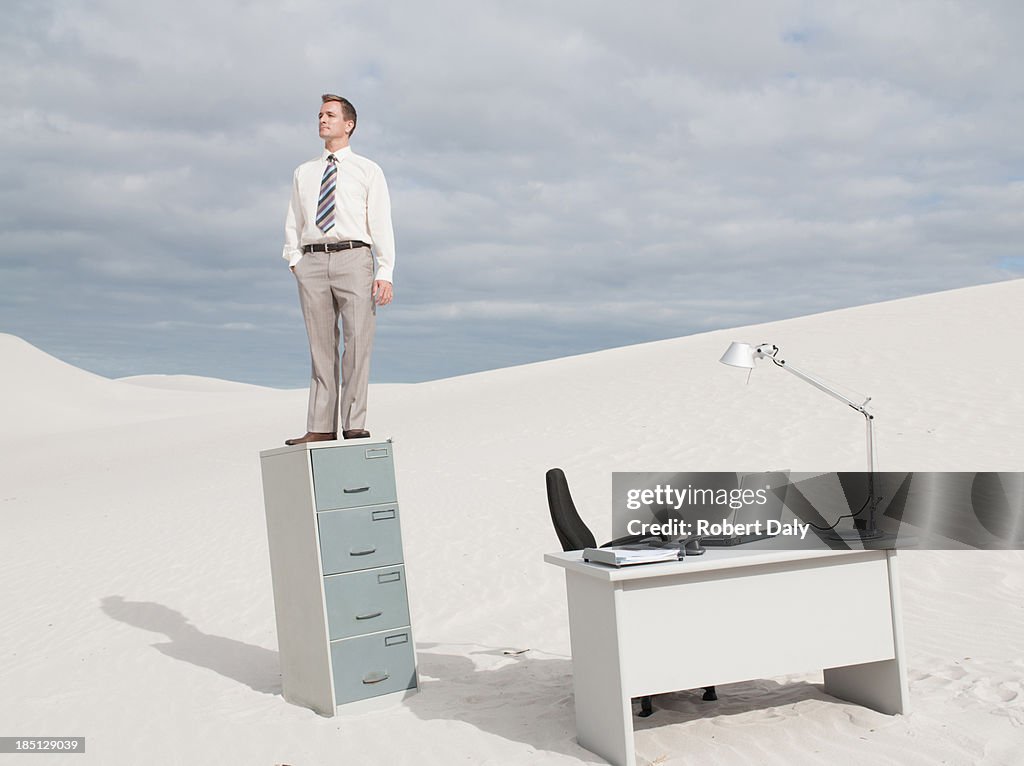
[[339, 582]]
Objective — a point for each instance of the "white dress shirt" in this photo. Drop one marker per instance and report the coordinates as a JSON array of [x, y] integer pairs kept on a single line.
[[362, 209]]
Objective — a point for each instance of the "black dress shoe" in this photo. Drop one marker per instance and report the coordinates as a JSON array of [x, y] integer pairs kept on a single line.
[[312, 436], [356, 433]]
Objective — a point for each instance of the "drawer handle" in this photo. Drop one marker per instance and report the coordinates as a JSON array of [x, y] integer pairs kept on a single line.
[[382, 452], [355, 490], [368, 616], [364, 552], [376, 678]]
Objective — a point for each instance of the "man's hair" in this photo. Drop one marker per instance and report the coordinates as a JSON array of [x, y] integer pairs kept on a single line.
[[348, 112]]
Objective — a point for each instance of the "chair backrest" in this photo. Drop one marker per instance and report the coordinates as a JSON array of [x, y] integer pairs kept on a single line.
[[573, 533]]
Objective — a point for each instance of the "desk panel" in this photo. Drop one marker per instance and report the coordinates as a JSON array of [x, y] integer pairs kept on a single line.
[[718, 627]]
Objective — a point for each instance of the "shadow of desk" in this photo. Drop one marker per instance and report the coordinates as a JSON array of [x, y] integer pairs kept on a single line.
[[730, 615]]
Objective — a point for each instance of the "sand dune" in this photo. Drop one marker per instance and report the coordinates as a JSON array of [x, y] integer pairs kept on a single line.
[[190, 383], [137, 602], [43, 396]]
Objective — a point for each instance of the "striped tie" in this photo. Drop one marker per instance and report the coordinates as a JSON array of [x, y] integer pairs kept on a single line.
[[325, 205]]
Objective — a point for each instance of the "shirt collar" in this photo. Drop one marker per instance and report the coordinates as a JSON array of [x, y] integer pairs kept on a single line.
[[340, 154]]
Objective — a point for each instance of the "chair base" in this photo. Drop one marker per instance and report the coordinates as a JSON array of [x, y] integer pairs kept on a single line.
[[647, 701]]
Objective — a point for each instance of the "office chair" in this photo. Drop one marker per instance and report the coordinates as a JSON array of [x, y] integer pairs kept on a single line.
[[575, 535]]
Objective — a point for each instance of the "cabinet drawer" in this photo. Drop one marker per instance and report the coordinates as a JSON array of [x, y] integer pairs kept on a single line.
[[369, 666], [359, 538], [348, 477], [366, 602]]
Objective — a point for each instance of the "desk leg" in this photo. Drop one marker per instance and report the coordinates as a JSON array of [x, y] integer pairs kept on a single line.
[[604, 718], [875, 685], [882, 685]]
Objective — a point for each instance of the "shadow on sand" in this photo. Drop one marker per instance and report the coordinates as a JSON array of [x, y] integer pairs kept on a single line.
[[254, 666], [530, 699]]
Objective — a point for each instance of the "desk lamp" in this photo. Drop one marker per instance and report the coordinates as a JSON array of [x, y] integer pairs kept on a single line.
[[743, 355]]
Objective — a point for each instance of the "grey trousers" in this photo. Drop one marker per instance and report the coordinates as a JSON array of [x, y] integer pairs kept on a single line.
[[333, 286]]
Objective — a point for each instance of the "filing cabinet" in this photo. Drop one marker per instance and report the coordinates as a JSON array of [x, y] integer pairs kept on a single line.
[[337, 565]]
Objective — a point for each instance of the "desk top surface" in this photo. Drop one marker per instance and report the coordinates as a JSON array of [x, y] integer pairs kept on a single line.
[[713, 559]]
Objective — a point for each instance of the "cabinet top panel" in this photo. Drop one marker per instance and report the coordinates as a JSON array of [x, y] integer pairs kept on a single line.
[[310, 446]]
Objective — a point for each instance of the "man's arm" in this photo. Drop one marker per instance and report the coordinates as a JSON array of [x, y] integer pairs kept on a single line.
[[378, 220], [293, 223]]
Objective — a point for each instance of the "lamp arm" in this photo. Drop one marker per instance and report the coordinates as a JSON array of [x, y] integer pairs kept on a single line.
[[868, 417], [822, 387], [770, 351], [861, 408]]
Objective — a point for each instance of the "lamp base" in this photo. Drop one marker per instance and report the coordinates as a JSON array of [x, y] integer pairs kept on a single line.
[[855, 534], [870, 538]]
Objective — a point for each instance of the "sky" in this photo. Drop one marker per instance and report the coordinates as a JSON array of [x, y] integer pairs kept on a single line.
[[565, 176]]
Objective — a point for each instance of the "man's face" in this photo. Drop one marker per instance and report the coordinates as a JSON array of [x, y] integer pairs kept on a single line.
[[332, 124]]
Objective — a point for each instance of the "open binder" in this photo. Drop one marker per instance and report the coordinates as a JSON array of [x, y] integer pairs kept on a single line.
[[628, 555]]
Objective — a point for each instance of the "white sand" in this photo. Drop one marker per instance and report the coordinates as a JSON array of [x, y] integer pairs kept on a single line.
[[137, 608]]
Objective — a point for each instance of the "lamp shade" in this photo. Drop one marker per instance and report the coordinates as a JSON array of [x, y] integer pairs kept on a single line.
[[739, 355]]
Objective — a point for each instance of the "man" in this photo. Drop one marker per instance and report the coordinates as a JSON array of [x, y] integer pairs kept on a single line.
[[340, 208]]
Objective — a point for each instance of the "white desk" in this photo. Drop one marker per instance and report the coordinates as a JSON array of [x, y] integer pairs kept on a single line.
[[729, 615]]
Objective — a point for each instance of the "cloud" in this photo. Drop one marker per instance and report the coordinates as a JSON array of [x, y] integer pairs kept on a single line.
[[565, 177]]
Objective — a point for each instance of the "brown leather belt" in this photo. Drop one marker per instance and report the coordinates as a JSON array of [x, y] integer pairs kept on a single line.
[[333, 247]]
